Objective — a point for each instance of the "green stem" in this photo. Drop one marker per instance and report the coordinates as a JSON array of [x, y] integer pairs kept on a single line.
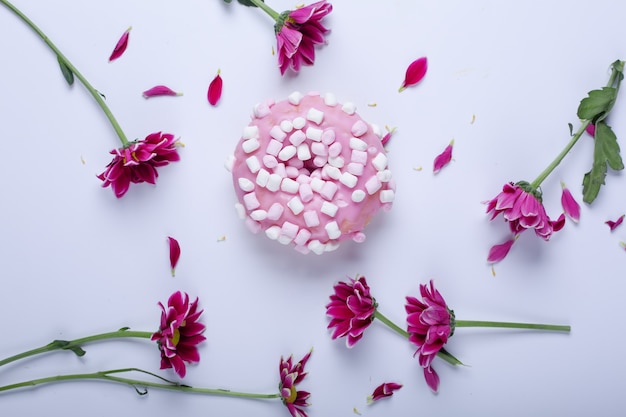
[[74, 345], [108, 376], [94, 93], [584, 123], [443, 354], [479, 323], [267, 9]]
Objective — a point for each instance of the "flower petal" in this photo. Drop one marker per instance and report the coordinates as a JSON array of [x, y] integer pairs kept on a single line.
[[613, 224], [591, 129], [174, 253], [570, 206], [160, 90], [499, 252], [414, 73], [432, 379], [215, 89], [121, 45], [383, 390], [443, 158]]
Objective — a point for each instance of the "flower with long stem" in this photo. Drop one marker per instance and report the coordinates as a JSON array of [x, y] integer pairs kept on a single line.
[[126, 166], [297, 32], [430, 323], [177, 337]]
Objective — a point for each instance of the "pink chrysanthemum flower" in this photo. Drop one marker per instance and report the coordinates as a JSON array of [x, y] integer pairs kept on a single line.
[[297, 33], [430, 324], [138, 162], [352, 310], [522, 208], [290, 376], [180, 333]]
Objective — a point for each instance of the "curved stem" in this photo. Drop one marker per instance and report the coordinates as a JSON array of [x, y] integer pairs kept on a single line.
[[479, 323], [94, 93], [584, 123], [74, 345], [108, 376], [267, 9]]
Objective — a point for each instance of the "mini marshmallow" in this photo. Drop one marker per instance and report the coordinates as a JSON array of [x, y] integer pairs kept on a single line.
[[319, 161], [380, 161], [358, 144], [273, 147], [317, 184], [284, 240], [289, 186], [332, 230], [275, 211], [291, 171], [289, 229], [245, 184], [348, 108], [240, 210], [250, 201], [258, 215], [329, 209], [287, 153], [296, 163], [270, 161], [286, 126], [250, 145], [253, 164], [297, 137], [305, 192], [261, 110], [330, 99], [295, 205], [295, 97], [328, 136], [355, 168], [358, 157], [372, 185], [272, 232], [387, 196], [331, 171], [348, 180], [273, 182], [384, 175], [358, 196], [262, 177], [315, 115], [316, 247], [336, 161], [252, 225], [314, 134], [250, 132], [311, 219], [328, 190], [304, 153], [319, 148], [277, 133], [335, 149], [299, 122], [302, 237], [229, 163], [359, 128]]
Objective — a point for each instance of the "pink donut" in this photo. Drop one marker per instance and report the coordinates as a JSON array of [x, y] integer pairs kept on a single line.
[[310, 172]]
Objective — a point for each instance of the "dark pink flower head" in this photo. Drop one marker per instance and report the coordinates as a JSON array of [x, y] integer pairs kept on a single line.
[[291, 375], [522, 208], [430, 324], [180, 333], [352, 310], [138, 162], [297, 33]]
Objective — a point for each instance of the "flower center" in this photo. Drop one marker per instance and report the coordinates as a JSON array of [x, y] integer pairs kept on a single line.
[[176, 337], [293, 394]]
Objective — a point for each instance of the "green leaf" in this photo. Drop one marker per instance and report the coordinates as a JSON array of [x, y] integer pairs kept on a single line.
[[227, 1], [123, 329], [597, 104], [67, 72], [77, 350], [448, 357], [606, 151]]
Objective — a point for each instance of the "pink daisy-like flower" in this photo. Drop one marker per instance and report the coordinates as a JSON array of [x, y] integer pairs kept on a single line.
[[290, 376], [297, 33], [180, 333], [430, 324], [383, 390], [352, 310], [138, 162], [522, 208]]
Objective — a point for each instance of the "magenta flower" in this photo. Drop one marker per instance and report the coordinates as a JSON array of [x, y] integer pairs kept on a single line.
[[352, 310], [297, 33], [430, 324], [499, 252], [160, 90], [522, 208], [138, 162], [613, 224], [570, 206], [443, 158], [383, 390], [290, 376], [215, 89], [414, 73], [174, 253], [121, 45], [180, 333]]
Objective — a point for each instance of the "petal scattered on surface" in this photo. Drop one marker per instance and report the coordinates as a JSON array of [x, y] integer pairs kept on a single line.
[[215, 89], [383, 390], [414, 73], [614, 224], [121, 45], [499, 252], [174, 253], [443, 158], [570, 206], [160, 90]]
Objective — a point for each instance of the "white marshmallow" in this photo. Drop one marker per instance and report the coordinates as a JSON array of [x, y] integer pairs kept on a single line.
[[315, 115], [358, 196], [287, 153], [253, 164], [250, 132], [295, 205], [311, 219], [245, 184]]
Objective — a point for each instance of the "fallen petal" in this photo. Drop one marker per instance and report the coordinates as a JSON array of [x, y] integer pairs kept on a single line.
[[443, 158], [570, 206], [432, 379], [383, 390], [499, 252], [613, 224], [387, 136], [414, 73], [215, 89], [558, 223], [174, 253], [160, 90], [121, 45]]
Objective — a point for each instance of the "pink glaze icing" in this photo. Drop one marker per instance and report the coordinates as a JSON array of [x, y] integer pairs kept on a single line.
[[313, 185]]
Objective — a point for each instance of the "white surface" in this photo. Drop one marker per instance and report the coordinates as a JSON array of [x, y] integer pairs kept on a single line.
[[78, 261]]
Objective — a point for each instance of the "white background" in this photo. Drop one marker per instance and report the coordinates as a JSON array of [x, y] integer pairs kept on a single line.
[[77, 261]]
